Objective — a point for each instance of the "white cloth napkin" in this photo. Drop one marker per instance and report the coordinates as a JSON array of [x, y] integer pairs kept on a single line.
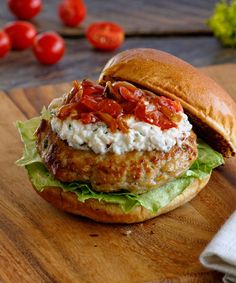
[[220, 254]]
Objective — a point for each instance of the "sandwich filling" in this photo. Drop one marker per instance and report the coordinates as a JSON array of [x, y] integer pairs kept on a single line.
[[118, 118], [153, 200], [140, 137], [117, 144]]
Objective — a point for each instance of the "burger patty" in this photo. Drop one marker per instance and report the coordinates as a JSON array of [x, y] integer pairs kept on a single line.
[[135, 171]]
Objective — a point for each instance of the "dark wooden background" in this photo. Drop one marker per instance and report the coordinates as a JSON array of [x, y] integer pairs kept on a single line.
[[178, 27]]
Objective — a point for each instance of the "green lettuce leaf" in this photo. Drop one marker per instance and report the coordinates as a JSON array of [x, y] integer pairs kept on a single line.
[[26, 130], [207, 160]]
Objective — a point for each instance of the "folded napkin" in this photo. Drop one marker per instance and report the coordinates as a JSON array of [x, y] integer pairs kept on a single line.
[[220, 254]]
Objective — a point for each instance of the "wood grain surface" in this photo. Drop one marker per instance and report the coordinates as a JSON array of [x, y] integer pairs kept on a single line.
[[38, 243], [139, 17], [20, 69], [178, 27]]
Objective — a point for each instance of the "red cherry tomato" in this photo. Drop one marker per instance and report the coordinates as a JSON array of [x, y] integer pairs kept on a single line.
[[5, 44], [105, 36], [48, 48], [72, 12], [21, 34], [25, 9]]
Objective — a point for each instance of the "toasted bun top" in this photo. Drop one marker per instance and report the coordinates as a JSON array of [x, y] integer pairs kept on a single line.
[[211, 110]]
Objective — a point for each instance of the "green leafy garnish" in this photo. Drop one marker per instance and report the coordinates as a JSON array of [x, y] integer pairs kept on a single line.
[[223, 22], [153, 200]]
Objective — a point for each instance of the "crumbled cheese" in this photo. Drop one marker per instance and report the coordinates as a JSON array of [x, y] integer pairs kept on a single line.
[[141, 136]]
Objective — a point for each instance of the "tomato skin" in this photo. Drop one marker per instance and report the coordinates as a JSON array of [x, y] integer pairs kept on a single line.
[[72, 12], [21, 34], [88, 118], [115, 102], [48, 48], [89, 88], [173, 106], [129, 95], [25, 9], [153, 117], [90, 103], [5, 44], [111, 107], [105, 36]]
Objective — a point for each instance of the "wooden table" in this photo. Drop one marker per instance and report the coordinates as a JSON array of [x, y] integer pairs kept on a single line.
[[39, 243], [174, 26], [178, 27]]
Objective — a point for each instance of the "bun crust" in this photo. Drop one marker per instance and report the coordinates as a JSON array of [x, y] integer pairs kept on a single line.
[[208, 106], [112, 213]]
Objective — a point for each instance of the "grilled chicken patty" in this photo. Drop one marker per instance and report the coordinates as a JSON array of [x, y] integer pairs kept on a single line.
[[135, 171]]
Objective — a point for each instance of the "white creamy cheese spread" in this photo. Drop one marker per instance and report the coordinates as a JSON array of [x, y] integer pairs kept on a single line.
[[141, 136]]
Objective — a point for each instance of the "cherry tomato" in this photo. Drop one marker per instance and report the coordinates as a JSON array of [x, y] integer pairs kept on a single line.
[[105, 36], [72, 12], [48, 48], [21, 34], [5, 44], [25, 9]]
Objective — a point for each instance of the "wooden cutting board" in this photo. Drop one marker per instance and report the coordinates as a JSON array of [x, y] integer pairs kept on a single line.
[[42, 244]]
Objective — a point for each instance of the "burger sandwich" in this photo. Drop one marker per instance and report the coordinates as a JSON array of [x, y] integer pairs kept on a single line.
[[139, 143]]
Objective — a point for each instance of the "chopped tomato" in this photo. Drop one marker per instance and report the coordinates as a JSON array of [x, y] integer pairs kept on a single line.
[[173, 106], [153, 117], [76, 95], [128, 107], [122, 125], [128, 95], [114, 103], [90, 102], [111, 107], [90, 88], [105, 36], [140, 111], [66, 110], [88, 118], [109, 120]]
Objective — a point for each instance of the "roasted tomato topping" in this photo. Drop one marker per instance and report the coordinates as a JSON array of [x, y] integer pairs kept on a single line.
[[114, 103], [88, 118], [111, 107]]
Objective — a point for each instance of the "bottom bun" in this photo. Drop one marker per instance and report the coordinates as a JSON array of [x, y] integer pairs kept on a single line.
[[112, 213]]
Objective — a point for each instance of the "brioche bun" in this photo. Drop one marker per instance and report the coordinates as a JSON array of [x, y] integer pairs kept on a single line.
[[112, 213], [210, 109]]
